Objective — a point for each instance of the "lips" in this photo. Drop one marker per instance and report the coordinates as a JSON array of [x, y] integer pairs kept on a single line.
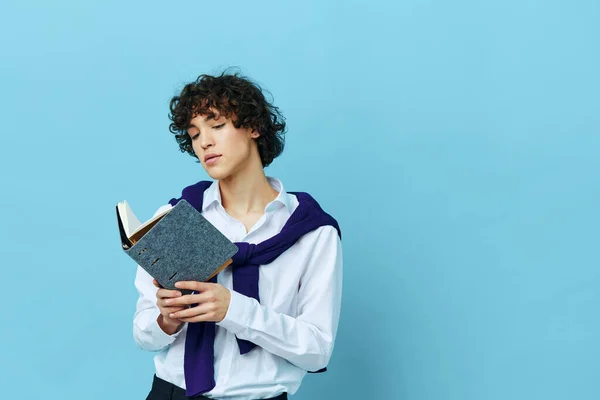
[[210, 156], [210, 160]]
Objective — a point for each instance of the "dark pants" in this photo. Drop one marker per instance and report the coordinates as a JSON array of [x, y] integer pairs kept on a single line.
[[163, 390]]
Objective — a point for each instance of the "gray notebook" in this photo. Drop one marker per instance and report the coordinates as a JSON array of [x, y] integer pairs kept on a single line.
[[176, 245]]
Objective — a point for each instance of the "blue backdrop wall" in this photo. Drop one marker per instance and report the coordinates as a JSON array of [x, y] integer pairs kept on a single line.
[[457, 143]]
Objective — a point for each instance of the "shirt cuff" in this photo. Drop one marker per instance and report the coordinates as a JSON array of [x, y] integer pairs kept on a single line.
[[160, 335], [238, 314]]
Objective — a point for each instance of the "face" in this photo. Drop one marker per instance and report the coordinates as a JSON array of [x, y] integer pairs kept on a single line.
[[234, 147]]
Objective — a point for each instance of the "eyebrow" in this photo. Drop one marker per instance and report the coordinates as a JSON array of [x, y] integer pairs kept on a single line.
[[208, 118]]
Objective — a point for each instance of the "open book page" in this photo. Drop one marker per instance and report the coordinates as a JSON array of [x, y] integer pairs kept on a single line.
[[128, 219], [134, 229]]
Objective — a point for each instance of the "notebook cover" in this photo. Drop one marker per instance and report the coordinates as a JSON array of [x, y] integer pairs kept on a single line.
[[182, 246]]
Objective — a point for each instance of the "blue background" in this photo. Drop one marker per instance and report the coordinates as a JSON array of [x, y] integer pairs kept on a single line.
[[457, 143]]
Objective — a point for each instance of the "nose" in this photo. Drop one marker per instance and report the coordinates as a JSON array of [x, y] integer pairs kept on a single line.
[[206, 140]]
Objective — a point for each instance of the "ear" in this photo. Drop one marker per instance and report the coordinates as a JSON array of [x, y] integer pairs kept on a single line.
[[254, 134]]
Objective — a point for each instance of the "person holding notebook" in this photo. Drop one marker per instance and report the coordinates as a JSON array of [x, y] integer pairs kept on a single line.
[[262, 323]]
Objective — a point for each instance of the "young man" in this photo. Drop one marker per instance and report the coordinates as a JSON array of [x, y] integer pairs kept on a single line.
[[256, 329]]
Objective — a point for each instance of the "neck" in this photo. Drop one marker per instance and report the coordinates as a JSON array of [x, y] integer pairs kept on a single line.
[[246, 192]]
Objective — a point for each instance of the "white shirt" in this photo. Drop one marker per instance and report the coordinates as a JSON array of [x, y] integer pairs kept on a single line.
[[294, 325]]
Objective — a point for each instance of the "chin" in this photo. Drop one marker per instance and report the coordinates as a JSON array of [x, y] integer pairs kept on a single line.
[[223, 170], [217, 173]]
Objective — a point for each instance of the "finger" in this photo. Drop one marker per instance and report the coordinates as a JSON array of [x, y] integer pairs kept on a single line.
[[155, 282], [200, 318], [194, 311], [171, 310], [163, 306], [192, 299], [194, 285], [162, 293]]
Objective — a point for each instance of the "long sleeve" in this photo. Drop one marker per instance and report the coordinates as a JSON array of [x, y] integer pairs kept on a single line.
[[306, 340], [146, 332]]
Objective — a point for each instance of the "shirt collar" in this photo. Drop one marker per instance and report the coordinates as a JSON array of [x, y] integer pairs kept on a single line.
[[213, 194]]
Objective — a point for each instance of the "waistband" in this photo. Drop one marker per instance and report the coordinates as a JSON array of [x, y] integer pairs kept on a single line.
[[173, 392]]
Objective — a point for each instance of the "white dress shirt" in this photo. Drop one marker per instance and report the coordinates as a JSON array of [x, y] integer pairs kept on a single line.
[[294, 325]]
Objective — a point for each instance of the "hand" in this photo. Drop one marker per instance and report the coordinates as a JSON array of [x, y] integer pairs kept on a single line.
[[213, 302], [161, 296]]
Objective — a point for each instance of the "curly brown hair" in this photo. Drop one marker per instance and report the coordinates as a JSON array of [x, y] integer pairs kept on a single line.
[[236, 97]]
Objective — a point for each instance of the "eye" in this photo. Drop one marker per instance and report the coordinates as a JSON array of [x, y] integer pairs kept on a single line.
[[219, 126], [195, 136]]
